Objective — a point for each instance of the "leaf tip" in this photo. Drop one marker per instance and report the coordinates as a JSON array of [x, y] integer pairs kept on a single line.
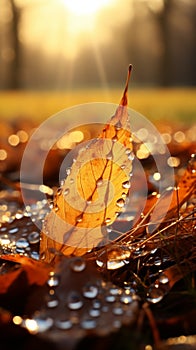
[[124, 100]]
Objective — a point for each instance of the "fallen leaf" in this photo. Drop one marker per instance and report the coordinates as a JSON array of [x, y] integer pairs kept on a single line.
[[158, 206], [36, 272], [79, 301], [94, 192]]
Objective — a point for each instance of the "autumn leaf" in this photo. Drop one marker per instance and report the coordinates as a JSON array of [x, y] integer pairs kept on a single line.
[[36, 272], [185, 187], [157, 212], [94, 192], [79, 302]]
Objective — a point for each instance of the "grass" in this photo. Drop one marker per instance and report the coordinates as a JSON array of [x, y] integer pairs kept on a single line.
[[156, 104]]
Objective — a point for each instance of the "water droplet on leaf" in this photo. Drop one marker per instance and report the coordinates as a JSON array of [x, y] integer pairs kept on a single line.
[[126, 184], [79, 218], [155, 295], [120, 203], [163, 279], [116, 257], [13, 230], [74, 301], [94, 312], [90, 291], [53, 280], [88, 324], [126, 299], [78, 264], [63, 324], [22, 243], [66, 192], [99, 182], [34, 237]]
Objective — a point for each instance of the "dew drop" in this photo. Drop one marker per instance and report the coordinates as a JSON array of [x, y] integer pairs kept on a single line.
[[124, 195], [20, 250], [88, 324], [68, 171], [115, 290], [10, 219], [131, 157], [94, 312], [38, 324], [114, 138], [22, 243], [90, 291], [62, 183], [66, 192], [117, 310], [71, 181], [157, 262], [107, 221], [35, 255], [52, 302], [33, 237], [128, 151], [109, 229], [110, 298], [99, 182], [96, 304], [51, 205], [78, 264], [154, 295], [63, 324], [59, 191], [116, 257], [79, 218], [163, 279], [126, 299], [13, 230], [56, 208], [74, 301], [4, 239], [109, 155], [126, 184], [89, 200], [120, 203], [53, 280], [19, 215], [118, 125]]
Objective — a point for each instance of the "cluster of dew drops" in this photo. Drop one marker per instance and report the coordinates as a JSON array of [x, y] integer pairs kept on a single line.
[[19, 234], [97, 300], [99, 305]]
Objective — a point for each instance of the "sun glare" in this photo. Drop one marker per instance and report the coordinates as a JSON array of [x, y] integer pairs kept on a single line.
[[85, 7], [64, 27]]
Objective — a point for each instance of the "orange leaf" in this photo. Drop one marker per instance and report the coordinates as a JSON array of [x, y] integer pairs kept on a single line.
[[179, 195], [36, 272], [185, 187], [94, 192]]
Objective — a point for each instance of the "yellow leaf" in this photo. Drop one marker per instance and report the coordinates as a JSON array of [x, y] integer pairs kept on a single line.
[[94, 192]]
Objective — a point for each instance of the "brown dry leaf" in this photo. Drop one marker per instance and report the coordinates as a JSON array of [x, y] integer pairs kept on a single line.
[[36, 272], [180, 194], [94, 192], [184, 189], [83, 303]]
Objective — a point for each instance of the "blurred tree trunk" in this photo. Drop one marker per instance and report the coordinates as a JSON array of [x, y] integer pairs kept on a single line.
[[14, 30], [163, 18]]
